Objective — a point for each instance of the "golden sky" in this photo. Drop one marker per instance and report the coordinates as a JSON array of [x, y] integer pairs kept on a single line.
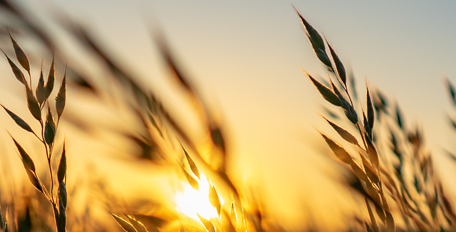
[[245, 58]]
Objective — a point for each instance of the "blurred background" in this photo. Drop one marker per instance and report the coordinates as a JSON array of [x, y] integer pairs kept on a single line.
[[244, 59]]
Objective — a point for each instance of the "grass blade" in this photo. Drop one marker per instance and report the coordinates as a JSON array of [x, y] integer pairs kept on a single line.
[[452, 91], [358, 171], [214, 199], [208, 224], [353, 86], [370, 171], [339, 66], [316, 41], [50, 82], [124, 224], [399, 119], [61, 97], [49, 129], [17, 72], [453, 122], [343, 133], [191, 180], [21, 57], [341, 153], [327, 94], [380, 103], [63, 199], [62, 165], [372, 217], [19, 121], [137, 224], [40, 89], [34, 179], [191, 163], [33, 105], [349, 111], [172, 64], [28, 162], [366, 125], [372, 151], [370, 110], [390, 225], [217, 137]]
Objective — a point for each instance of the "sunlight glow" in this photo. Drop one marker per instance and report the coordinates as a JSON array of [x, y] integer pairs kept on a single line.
[[192, 202]]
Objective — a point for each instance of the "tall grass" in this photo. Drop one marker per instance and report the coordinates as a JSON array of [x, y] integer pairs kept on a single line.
[[387, 162], [37, 103], [393, 172]]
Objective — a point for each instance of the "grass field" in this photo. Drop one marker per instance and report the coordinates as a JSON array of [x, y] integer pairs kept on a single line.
[[181, 147]]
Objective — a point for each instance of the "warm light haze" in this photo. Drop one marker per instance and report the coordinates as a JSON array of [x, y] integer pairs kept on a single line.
[[192, 202], [163, 96]]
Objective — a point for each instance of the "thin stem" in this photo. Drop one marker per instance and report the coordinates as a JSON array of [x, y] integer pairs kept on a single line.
[[56, 215], [37, 136], [52, 177], [48, 157], [48, 149], [30, 78]]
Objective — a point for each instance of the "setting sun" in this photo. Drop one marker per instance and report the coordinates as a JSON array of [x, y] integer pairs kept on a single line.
[[302, 115], [192, 202]]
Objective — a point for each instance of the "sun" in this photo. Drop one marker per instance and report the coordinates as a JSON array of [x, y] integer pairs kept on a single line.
[[192, 202]]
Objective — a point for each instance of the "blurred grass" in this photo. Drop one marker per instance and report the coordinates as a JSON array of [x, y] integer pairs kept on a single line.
[[389, 166]]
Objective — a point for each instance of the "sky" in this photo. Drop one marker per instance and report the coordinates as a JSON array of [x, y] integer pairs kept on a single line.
[[245, 57]]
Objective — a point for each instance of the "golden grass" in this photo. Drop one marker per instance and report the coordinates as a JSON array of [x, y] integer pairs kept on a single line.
[[398, 204], [380, 170]]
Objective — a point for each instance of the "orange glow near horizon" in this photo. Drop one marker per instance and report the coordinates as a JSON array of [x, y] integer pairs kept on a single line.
[[192, 202]]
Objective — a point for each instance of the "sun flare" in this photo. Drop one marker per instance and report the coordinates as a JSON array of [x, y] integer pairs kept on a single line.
[[192, 202]]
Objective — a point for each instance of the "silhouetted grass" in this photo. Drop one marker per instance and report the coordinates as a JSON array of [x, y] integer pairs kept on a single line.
[[393, 172], [391, 168], [37, 103]]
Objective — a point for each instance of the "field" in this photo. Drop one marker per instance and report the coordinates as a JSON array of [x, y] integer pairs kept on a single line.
[[94, 144]]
